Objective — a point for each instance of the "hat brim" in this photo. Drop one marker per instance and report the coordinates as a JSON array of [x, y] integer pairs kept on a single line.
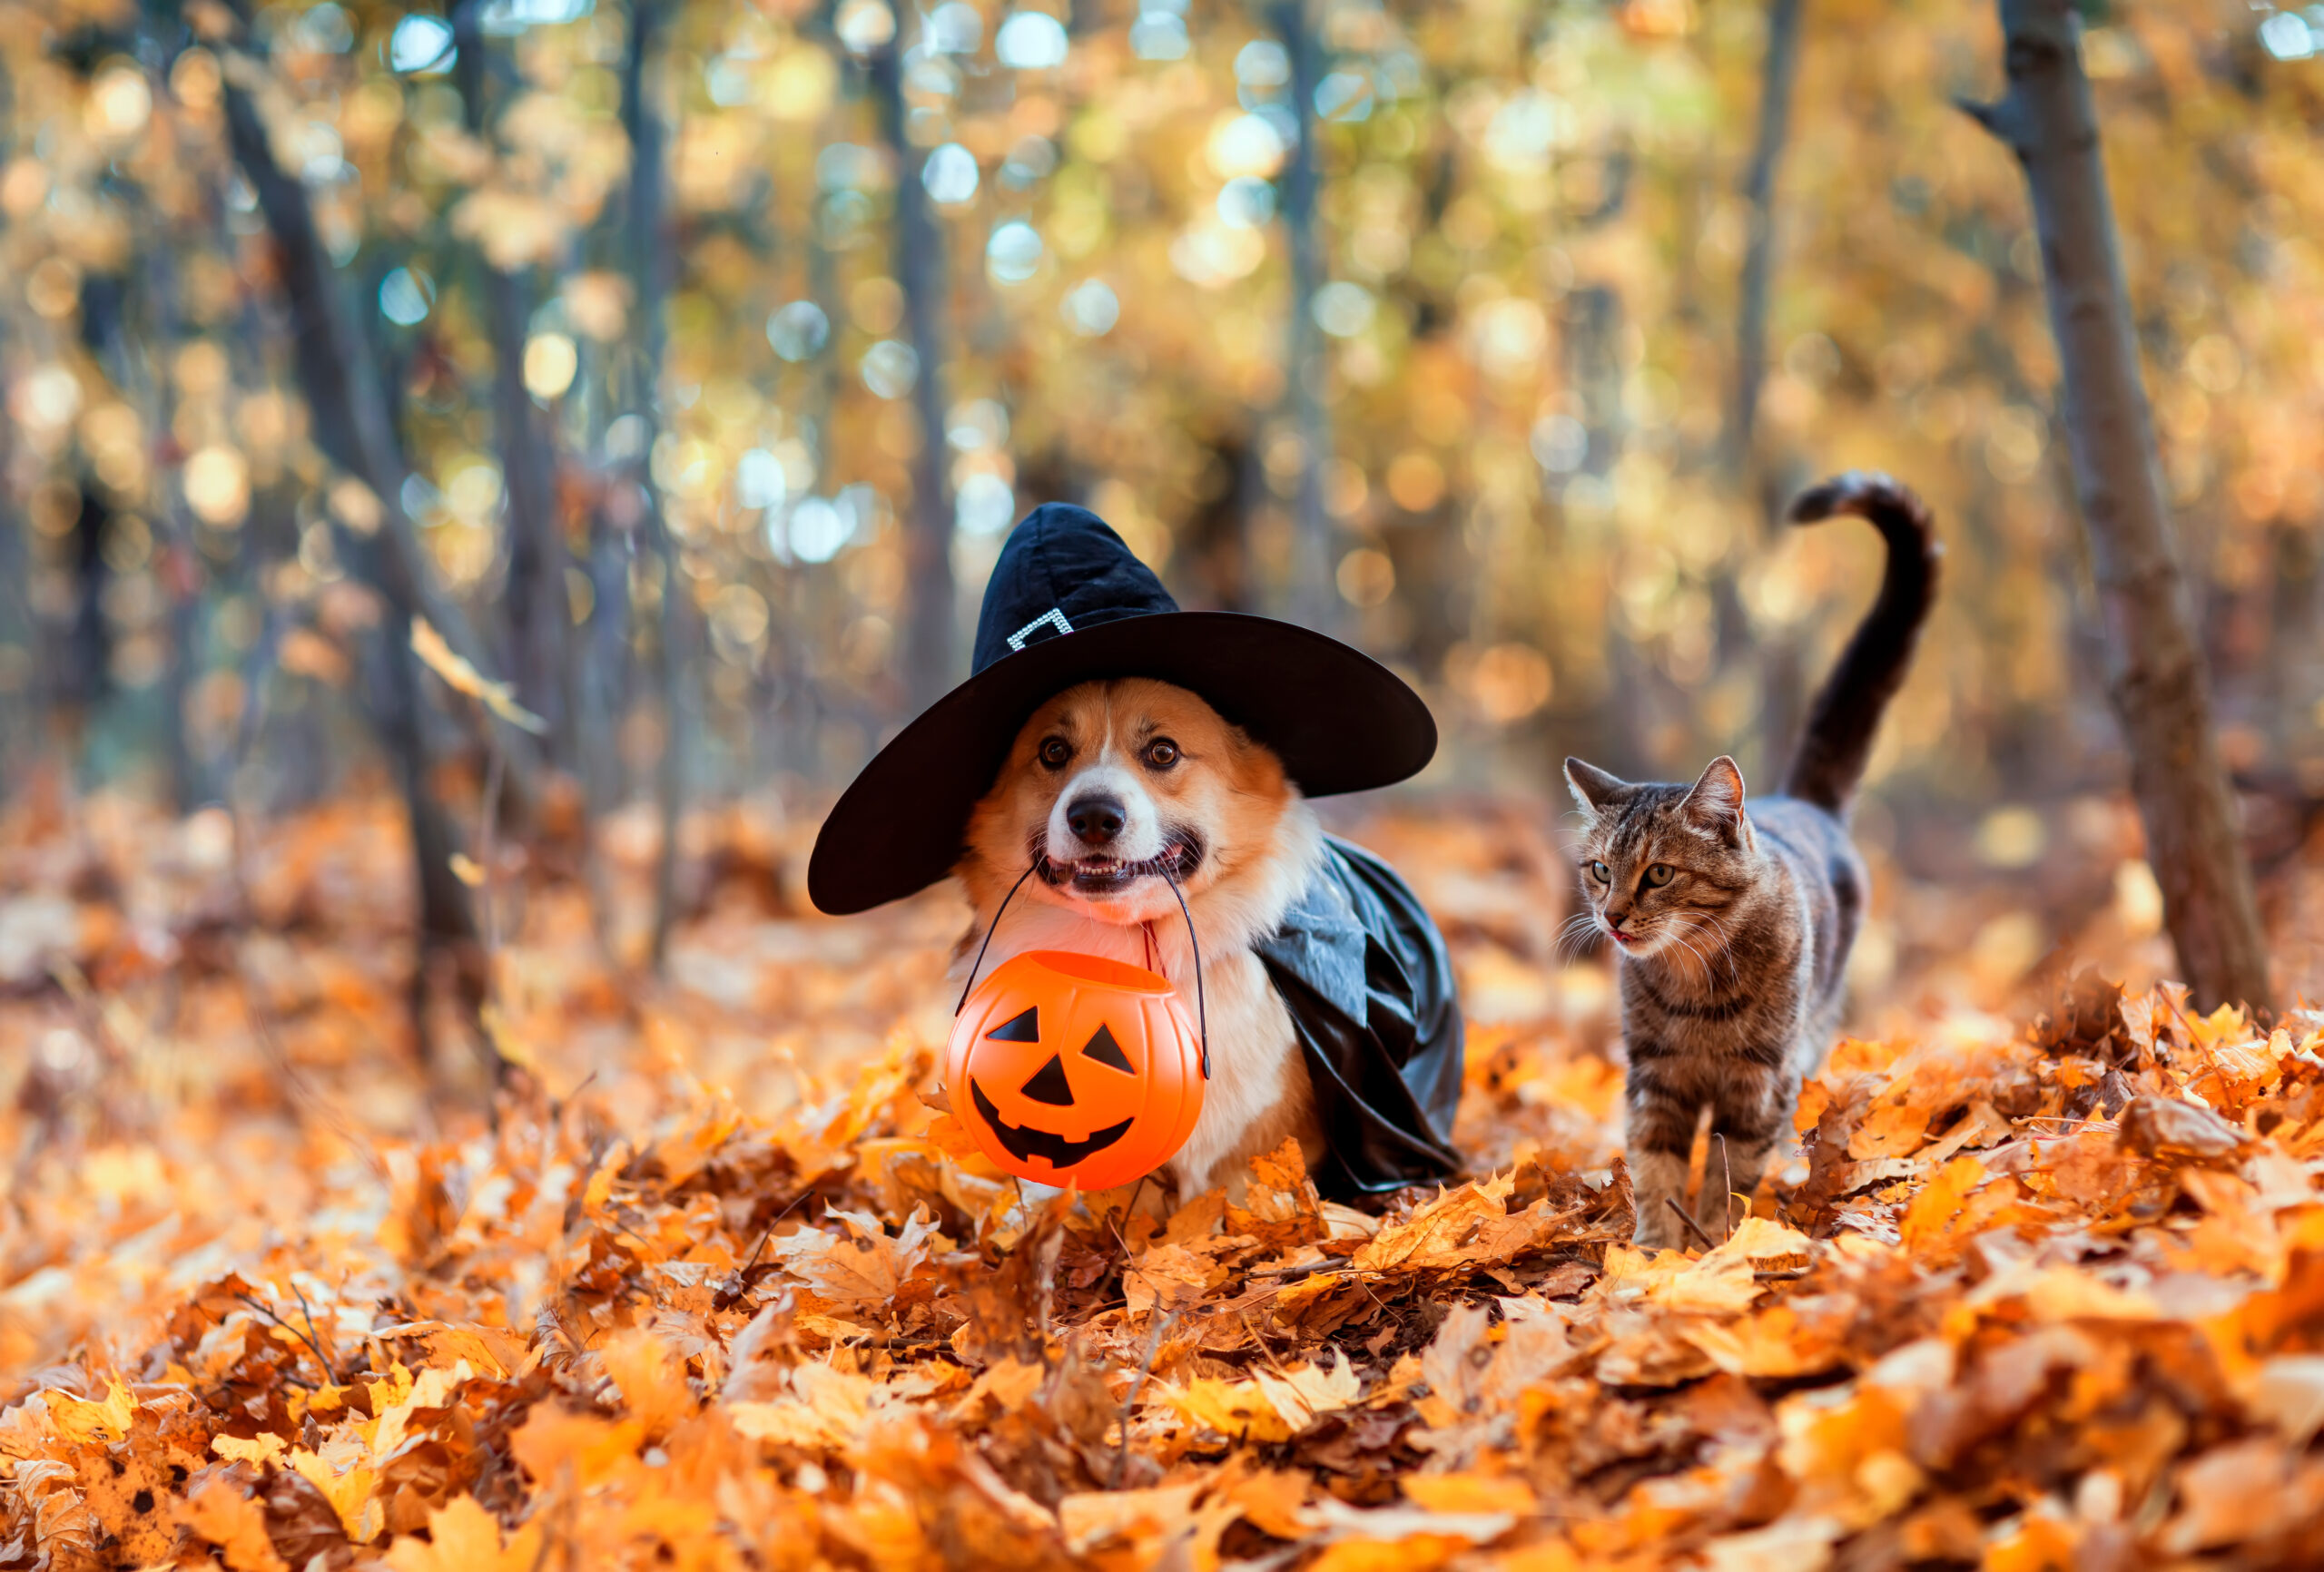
[[1339, 721]]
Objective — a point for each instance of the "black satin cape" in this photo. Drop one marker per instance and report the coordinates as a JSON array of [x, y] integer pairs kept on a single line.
[[1370, 988]]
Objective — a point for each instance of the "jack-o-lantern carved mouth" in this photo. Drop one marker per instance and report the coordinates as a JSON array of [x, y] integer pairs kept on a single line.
[[1052, 1148]]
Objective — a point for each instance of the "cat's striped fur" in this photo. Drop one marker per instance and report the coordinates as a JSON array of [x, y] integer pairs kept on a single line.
[[1733, 926]]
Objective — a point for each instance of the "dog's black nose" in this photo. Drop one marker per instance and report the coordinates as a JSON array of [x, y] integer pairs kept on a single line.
[[1094, 820]]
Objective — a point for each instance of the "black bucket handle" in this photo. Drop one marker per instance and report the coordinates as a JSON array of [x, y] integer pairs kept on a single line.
[[1202, 1009]]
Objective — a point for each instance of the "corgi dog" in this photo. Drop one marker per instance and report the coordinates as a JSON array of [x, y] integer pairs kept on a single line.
[[1114, 753], [1111, 792]]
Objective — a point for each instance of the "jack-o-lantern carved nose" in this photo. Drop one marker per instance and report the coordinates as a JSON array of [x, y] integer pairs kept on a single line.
[[1050, 1085], [1096, 819]]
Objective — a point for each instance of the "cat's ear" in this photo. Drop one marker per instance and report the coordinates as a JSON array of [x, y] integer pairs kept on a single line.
[[1717, 801], [1591, 787]]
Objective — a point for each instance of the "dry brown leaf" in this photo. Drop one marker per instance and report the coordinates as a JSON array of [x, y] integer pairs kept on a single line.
[[1432, 1237]]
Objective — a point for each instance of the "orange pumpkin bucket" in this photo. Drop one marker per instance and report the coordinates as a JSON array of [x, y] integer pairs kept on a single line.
[[1075, 1069]]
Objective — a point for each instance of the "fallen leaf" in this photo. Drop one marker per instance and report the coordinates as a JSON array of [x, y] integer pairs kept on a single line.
[[84, 1423], [462, 1537], [218, 1513]]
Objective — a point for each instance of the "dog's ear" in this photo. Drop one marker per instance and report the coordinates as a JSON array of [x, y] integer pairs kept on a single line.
[[1593, 788]]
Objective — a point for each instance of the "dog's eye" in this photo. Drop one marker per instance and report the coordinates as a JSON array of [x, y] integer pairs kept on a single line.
[[1057, 752], [1161, 753], [1601, 873], [1659, 874]]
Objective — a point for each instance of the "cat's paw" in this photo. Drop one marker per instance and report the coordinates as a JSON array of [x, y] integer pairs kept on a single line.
[[1666, 1233]]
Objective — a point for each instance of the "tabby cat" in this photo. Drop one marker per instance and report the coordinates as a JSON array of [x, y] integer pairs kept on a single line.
[[1733, 927]]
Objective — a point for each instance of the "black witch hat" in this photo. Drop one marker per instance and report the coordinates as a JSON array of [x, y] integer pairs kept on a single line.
[[1068, 602]]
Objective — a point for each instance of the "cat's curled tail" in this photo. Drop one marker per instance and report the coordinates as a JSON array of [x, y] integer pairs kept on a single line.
[[1846, 711]]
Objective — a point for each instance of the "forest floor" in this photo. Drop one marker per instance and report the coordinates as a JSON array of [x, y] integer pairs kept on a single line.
[[2044, 1286]]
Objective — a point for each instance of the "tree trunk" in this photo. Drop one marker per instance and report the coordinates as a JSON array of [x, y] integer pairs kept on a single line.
[[1758, 253], [351, 426], [1778, 658], [2155, 668], [1313, 599], [929, 613], [339, 378], [21, 719], [536, 594], [649, 221]]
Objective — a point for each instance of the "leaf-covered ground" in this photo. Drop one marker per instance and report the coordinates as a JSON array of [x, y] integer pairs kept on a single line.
[[706, 1292]]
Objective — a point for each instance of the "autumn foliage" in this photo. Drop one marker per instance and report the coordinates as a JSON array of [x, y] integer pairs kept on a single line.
[[711, 1287]]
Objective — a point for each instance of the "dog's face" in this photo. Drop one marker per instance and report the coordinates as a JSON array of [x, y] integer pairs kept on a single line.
[[1113, 788]]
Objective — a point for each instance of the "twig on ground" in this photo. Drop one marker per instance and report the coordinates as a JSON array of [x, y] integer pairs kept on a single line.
[[1138, 1385], [1693, 1227], [1726, 1188], [880, 1340], [255, 1304], [1309, 1268], [314, 1339], [725, 1299], [1268, 1353]]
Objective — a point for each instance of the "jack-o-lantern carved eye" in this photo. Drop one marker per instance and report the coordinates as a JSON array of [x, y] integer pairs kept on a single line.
[[1105, 1051], [1023, 1027]]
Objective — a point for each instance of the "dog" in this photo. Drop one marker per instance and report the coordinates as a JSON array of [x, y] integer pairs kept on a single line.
[[1111, 792], [1131, 752]]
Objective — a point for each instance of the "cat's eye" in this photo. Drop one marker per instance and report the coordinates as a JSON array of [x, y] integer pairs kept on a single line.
[[1055, 752], [1601, 873], [1659, 874]]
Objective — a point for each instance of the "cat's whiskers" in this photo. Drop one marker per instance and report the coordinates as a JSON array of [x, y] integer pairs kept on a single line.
[[1574, 934]]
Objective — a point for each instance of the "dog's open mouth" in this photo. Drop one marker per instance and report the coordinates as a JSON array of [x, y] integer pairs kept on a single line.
[[1103, 876], [1053, 1149]]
